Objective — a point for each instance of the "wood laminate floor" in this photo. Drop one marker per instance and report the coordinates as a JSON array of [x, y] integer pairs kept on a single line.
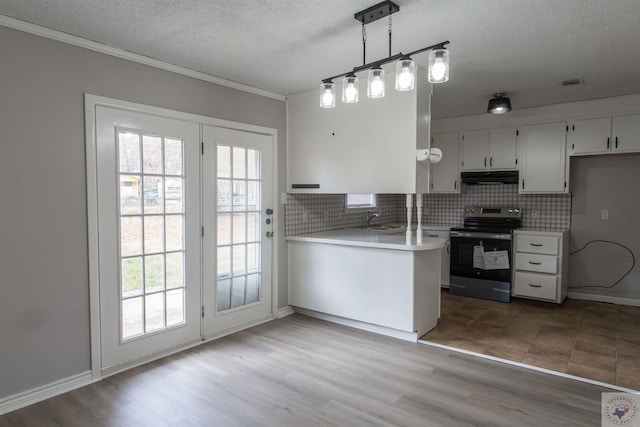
[[300, 371], [588, 339]]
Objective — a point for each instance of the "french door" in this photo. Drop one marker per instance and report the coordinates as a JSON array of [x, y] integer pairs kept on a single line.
[[237, 218], [149, 234], [183, 228]]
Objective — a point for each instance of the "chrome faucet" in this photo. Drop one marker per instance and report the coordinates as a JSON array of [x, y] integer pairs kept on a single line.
[[368, 217]]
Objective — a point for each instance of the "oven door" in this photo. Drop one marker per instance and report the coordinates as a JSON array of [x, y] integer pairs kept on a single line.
[[468, 275]]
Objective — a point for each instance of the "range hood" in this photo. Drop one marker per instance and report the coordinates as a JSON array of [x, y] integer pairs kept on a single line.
[[489, 177]]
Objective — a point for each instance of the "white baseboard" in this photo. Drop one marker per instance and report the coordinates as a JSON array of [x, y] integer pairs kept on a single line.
[[284, 312], [382, 330], [604, 298], [38, 394]]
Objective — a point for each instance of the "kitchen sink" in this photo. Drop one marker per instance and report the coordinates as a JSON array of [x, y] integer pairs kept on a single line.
[[384, 228]]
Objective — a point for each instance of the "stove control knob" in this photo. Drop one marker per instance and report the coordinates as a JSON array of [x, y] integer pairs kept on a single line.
[[516, 211], [510, 210]]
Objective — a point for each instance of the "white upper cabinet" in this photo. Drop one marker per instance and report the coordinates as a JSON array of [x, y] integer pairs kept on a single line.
[[591, 136], [445, 175], [626, 133], [475, 149], [503, 152], [366, 147], [618, 134], [489, 149], [543, 158]]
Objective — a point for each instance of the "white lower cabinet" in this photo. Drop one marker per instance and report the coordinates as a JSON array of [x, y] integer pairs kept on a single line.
[[541, 260], [446, 253]]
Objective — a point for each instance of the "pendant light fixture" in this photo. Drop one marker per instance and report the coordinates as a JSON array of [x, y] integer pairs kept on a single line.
[[438, 66], [327, 94], [405, 74], [375, 83], [499, 104], [405, 80], [350, 89]]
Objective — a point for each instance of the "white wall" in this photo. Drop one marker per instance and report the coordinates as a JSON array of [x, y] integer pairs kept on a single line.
[[44, 302]]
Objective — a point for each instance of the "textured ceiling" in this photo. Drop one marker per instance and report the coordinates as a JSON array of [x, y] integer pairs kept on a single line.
[[522, 47]]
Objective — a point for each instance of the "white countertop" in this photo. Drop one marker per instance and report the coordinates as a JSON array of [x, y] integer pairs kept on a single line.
[[370, 239], [541, 231]]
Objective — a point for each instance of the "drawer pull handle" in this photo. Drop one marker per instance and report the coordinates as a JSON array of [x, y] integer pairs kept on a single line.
[[536, 244], [432, 235], [535, 263], [535, 286]]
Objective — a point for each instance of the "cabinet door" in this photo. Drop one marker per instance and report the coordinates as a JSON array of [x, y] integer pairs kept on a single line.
[[445, 175], [591, 136], [502, 148], [543, 158], [475, 150], [626, 133]]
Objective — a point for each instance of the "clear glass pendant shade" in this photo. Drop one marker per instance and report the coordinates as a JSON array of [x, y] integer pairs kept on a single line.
[[375, 83], [405, 74], [350, 89], [438, 66], [327, 94]]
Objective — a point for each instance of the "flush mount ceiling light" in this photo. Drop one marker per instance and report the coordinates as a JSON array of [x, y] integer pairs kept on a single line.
[[499, 104], [438, 71]]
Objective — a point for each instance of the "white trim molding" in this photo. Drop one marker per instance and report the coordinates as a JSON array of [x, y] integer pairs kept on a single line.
[[284, 312], [47, 391], [37, 30]]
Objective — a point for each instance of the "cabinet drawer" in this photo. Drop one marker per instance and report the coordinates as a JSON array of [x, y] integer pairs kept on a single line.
[[537, 244], [538, 263], [536, 285]]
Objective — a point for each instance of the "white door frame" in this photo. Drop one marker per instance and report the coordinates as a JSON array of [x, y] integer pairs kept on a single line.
[[90, 104]]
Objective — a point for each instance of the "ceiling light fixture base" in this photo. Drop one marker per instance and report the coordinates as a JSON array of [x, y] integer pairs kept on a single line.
[[376, 12]]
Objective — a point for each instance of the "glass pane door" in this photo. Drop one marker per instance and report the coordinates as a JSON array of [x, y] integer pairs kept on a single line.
[[238, 227], [237, 268], [152, 235]]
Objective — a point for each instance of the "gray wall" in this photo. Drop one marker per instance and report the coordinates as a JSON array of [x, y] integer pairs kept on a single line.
[[44, 302], [610, 183]]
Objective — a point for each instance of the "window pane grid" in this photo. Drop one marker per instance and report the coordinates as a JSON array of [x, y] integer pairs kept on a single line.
[[238, 217], [151, 192]]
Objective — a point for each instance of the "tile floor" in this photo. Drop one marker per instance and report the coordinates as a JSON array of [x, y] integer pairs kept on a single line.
[[592, 340]]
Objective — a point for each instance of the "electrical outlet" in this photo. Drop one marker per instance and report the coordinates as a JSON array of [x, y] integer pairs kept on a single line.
[[604, 215]]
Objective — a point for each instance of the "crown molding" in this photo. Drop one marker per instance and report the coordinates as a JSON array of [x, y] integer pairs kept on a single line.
[[27, 27]]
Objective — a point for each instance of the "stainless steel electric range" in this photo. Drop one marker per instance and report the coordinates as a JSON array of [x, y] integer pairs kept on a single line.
[[482, 252]]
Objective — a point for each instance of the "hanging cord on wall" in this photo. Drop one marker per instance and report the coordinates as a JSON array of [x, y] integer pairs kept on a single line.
[[633, 264]]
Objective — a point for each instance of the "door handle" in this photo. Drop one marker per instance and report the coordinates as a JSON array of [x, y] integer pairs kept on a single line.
[[536, 244], [535, 286], [269, 234], [491, 161], [535, 263]]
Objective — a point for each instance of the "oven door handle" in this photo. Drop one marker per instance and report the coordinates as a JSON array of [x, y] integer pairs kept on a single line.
[[481, 235]]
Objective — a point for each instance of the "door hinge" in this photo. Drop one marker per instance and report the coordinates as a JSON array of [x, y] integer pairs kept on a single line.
[[567, 128], [573, 128], [202, 147], [565, 184], [463, 137], [517, 132], [573, 146], [203, 311], [202, 231], [516, 161]]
